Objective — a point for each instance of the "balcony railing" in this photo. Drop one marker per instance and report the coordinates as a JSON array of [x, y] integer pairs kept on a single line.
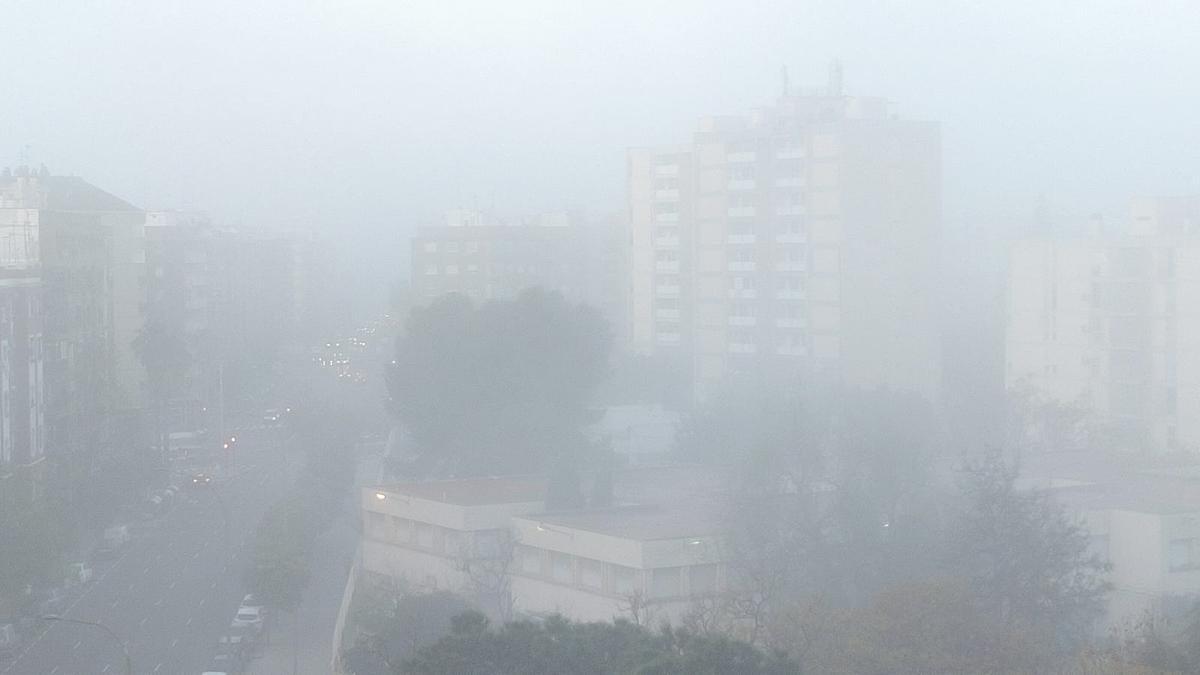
[[741, 212]]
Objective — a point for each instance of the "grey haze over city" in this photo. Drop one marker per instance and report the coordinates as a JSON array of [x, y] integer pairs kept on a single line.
[[379, 338]]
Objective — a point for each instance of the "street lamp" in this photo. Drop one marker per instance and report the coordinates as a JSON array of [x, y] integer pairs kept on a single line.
[[106, 629]]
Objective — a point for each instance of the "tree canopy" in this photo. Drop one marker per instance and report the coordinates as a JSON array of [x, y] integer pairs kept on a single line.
[[502, 387], [561, 646]]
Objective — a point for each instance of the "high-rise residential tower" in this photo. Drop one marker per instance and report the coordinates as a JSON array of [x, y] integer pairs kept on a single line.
[[807, 232]]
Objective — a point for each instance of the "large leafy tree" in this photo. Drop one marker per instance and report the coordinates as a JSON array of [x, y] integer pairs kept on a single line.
[[1027, 562], [499, 388]]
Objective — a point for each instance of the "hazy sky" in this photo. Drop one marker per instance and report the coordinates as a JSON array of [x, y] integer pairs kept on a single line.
[[367, 117]]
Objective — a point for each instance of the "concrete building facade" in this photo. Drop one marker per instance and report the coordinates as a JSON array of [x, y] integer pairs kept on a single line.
[[485, 259], [88, 247], [654, 554], [808, 232], [1110, 321]]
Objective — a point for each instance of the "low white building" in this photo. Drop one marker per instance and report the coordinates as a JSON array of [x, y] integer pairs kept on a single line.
[[648, 562], [650, 556], [1146, 525]]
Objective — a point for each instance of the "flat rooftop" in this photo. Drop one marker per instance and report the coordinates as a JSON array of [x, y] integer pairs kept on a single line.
[[646, 522], [473, 491]]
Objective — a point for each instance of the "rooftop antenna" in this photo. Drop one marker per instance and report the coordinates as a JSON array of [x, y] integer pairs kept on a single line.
[[783, 72], [835, 78]]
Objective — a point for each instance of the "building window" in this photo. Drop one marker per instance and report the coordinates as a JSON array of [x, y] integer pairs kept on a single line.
[[562, 568], [487, 544], [431, 269], [531, 561], [451, 269], [452, 247], [590, 573], [666, 582], [702, 579], [424, 535], [1183, 554], [472, 246], [431, 247], [624, 580]]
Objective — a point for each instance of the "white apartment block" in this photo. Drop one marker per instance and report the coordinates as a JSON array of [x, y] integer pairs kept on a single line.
[[1111, 321], [655, 553], [808, 231]]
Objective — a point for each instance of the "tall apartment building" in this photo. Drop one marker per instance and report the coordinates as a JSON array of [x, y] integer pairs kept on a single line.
[[485, 259], [808, 231], [88, 247], [1110, 321], [22, 413]]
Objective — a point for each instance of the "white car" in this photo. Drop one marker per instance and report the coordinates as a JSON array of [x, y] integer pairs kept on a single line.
[[79, 573], [248, 617]]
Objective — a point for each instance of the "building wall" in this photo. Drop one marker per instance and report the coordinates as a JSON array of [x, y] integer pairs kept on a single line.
[[1111, 322], [486, 260], [808, 233]]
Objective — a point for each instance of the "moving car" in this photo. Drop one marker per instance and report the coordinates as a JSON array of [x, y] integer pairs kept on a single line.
[[201, 479]]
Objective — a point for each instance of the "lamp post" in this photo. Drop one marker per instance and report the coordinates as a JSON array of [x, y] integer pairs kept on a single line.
[[106, 629]]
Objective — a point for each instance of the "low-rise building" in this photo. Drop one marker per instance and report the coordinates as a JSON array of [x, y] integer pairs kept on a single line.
[[651, 555]]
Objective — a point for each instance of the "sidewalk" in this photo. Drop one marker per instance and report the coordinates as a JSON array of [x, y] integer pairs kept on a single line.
[[314, 621], [317, 616]]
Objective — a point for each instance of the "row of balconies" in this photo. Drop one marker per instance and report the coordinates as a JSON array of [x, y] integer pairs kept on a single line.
[[742, 239], [751, 211], [782, 266]]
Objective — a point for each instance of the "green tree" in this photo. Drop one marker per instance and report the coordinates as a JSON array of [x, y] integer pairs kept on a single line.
[[1025, 560], [279, 558], [505, 387]]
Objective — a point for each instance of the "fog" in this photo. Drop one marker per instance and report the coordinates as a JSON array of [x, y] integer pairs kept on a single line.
[[540, 337]]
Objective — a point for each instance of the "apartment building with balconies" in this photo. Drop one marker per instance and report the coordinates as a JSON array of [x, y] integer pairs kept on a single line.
[[807, 231], [1109, 320]]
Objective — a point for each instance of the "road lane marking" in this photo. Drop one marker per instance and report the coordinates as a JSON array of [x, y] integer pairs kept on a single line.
[[131, 587], [174, 642], [212, 585], [76, 645], [158, 667], [143, 621], [114, 603], [147, 570], [189, 621], [202, 601], [172, 586], [54, 671], [195, 555], [158, 602], [106, 668]]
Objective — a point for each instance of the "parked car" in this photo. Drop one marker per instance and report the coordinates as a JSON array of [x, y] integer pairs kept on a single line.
[[248, 617], [79, 573], [227, 663], [10, 640], [271, 416]]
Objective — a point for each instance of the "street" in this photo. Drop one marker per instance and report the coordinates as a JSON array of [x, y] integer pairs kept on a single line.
[[174, 589]]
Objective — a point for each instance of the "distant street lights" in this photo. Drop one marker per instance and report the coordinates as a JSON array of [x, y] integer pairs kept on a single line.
[[106, 629]]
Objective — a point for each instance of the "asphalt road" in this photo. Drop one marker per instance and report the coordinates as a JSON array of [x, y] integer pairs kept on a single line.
[[176, 586]]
